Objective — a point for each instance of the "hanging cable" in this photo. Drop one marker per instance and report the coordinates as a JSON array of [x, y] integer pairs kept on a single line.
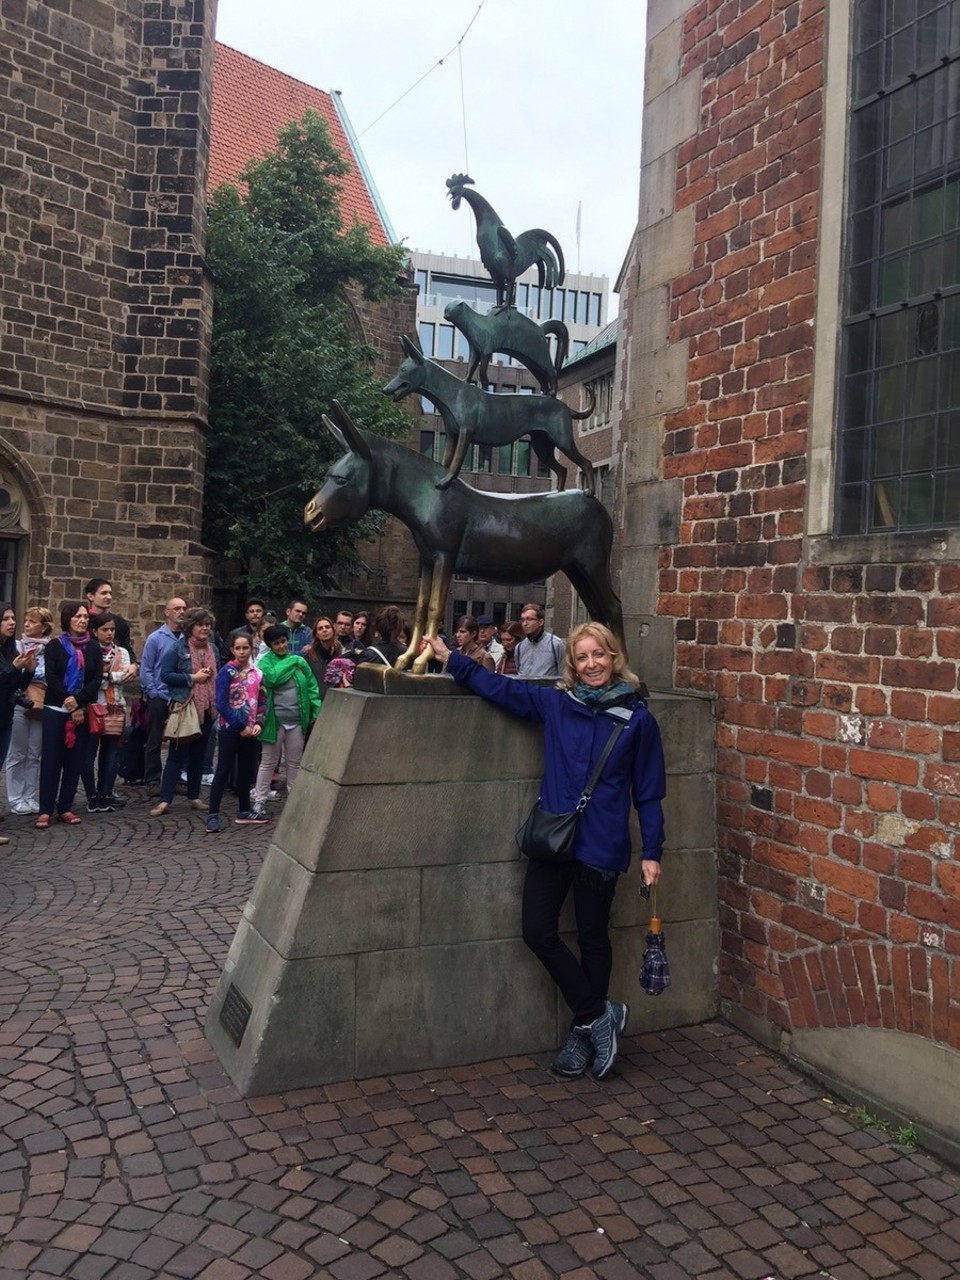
[[463, 111], [439, 63]]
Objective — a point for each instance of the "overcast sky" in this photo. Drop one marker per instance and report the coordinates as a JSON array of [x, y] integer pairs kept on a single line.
[[539, 102]]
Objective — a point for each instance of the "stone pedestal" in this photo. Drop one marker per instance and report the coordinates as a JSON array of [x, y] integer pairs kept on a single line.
[[383, 933]]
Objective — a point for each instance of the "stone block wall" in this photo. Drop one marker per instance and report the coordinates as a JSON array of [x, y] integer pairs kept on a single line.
[[835, 662], [105, 305], [383, 933]]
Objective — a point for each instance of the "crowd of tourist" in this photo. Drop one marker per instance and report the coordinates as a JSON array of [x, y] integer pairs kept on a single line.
[[75, 702], [251, 698]]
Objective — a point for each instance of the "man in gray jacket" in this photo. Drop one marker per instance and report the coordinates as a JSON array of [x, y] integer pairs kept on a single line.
[[539, 655]]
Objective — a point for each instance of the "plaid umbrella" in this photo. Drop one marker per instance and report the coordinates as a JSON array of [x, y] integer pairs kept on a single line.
[[655, 972]]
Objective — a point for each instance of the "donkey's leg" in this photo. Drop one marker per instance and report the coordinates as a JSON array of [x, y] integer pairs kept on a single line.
[[419, 616], [442, 572]]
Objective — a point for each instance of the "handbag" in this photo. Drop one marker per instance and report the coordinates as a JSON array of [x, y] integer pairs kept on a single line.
[[183, 723], [114, 721], [550, 837], [115, 717], [36, 693], [96, 715]]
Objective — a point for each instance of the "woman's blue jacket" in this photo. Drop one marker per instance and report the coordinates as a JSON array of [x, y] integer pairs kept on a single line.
[[573, 738], [176, 669]]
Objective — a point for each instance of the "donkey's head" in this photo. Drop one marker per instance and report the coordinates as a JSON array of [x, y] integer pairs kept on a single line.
[[409, 377], [345, 494]]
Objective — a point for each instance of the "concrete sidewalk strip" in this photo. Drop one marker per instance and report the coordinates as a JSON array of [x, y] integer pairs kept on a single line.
[[125, 1152]]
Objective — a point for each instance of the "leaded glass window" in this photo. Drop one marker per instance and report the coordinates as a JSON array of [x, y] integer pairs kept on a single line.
[[899, 457]]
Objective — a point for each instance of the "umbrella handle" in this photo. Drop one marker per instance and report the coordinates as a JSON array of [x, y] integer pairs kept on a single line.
[[656, 924]]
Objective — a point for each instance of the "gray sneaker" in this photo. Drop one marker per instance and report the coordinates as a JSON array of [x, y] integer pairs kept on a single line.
[[576, 1055], [621, 1013], [258, 816], [603, 1037]]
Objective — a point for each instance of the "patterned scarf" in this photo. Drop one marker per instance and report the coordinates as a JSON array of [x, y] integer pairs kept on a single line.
[[616, 694], [76, 661], [203, 694]]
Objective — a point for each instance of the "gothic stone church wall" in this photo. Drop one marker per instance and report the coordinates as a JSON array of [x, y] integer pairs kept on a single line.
[[105, 305]]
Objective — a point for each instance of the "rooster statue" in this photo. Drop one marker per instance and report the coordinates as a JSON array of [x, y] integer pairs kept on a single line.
[[507, 257]]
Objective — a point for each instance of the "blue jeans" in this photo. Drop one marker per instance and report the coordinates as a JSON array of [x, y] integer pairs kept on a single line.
[[190, 758], [107, 747]]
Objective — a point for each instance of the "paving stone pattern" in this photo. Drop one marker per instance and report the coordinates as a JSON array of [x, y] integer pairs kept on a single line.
[[125, 1153]]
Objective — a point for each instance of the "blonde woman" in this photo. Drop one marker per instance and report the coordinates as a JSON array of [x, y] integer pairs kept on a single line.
[[596, 692]]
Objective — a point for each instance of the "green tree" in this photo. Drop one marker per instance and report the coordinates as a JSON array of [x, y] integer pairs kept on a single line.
[[284, 345]]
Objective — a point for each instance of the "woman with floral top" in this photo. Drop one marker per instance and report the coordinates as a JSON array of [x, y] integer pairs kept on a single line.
[[241, 705]]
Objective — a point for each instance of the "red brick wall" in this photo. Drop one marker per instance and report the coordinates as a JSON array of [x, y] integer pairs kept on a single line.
[[838, 745]]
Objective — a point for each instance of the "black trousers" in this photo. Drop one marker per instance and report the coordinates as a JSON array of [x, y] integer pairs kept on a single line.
[[583, 983], [244, 753]]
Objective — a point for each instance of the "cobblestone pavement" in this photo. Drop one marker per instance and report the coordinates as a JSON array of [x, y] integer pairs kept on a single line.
[[126, 1153]]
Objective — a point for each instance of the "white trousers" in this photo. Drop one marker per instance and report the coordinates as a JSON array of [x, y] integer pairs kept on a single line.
[[23, 759], [290, 741]]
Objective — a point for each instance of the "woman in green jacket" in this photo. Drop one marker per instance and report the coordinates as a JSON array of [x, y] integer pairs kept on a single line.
[[293, 701]]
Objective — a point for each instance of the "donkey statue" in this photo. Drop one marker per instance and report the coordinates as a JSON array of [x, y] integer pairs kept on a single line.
[[509, 330], [471, 415], [508, 538]]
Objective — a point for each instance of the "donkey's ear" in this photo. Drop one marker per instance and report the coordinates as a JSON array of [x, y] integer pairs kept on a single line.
[[351, 433], [413, 352], [334, 431]]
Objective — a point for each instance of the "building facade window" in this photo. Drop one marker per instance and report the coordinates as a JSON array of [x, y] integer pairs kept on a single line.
[[432, 444], [898, 466], [445, 342], [426, 333], [8, 569]]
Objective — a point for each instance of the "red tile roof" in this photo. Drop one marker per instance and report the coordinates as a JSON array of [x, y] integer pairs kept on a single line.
[[251, 104]]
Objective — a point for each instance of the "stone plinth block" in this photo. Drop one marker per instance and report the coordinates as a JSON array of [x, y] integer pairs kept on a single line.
[[383, 933]]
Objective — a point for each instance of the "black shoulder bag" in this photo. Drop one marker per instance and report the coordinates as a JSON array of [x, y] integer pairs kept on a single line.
[[549, 837]]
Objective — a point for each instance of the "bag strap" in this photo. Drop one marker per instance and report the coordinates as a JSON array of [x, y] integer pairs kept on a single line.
[[604, 757]]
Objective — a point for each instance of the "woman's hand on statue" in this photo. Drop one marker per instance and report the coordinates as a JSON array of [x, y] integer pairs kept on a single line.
[[650, 871]]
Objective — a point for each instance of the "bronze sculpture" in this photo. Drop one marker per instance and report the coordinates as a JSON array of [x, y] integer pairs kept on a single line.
[[505, 537], [507, 257], [472, 416], [508, 330]]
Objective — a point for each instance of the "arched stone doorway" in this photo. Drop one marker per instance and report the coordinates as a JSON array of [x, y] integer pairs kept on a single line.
[[21, 536]]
